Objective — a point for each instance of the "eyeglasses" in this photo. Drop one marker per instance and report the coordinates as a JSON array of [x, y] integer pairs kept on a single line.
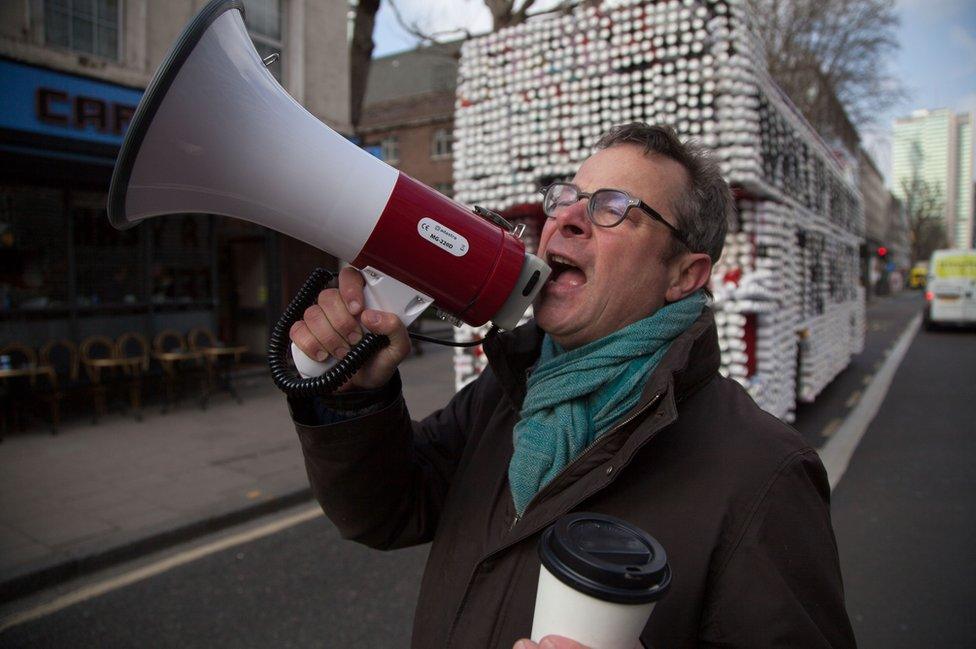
[[605, 208]]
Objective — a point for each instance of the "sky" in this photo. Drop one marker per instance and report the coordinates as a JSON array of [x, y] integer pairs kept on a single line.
[[936, 60]]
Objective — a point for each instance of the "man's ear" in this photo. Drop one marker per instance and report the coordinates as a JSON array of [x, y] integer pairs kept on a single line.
[[691, 272]]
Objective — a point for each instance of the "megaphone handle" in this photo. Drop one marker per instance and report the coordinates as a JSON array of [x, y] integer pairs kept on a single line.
[[342, 370], [380, 292]]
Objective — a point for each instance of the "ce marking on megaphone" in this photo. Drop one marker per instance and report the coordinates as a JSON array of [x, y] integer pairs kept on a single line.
[[425, 226]]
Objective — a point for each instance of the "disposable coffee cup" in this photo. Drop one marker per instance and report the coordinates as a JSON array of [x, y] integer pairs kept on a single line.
[[599, 581]]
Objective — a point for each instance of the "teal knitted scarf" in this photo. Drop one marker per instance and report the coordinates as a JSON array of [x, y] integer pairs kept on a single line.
[[575, 396]]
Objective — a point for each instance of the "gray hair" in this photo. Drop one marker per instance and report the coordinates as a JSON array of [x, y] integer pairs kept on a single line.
[[706, 207]]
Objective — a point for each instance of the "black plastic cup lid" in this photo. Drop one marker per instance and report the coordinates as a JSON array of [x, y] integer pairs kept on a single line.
[[606, 558]]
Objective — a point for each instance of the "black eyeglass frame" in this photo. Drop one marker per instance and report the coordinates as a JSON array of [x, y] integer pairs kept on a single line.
[[631, 202]]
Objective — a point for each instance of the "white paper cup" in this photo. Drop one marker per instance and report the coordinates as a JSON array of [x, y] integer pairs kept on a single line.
[[599, 581]]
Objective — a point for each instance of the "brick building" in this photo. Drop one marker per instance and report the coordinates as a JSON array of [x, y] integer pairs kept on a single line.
[[407, 117]]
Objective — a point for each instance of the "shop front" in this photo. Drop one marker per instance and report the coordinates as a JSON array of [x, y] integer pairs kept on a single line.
[[66, 273]]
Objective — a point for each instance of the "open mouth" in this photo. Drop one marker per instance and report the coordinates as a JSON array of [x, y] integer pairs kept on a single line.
[[565, 271]]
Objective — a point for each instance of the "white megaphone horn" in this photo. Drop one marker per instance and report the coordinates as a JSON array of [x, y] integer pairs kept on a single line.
[[216, 133]]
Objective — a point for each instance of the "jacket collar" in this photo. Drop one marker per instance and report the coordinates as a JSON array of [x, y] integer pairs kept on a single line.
[[692, 360]]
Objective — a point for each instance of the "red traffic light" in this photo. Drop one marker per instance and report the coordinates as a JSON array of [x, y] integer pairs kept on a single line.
[[882, 251]]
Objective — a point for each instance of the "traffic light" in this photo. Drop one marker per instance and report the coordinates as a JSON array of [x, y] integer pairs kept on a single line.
[[882, 252]]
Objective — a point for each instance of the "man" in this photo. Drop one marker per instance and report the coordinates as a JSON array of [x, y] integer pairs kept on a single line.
[[609, 402]]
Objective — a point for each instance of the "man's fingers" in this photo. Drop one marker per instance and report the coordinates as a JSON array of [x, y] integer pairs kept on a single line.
[[309, 344], [351, 284], [321, 328], [341, 320]]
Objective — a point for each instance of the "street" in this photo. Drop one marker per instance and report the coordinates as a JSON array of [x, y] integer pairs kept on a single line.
[[901, 515]]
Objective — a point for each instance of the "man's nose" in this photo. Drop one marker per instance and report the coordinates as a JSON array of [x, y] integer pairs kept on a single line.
[[571, 221]]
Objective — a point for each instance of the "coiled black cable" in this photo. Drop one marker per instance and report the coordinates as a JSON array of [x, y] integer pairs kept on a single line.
[[287, 380], [290, 382]]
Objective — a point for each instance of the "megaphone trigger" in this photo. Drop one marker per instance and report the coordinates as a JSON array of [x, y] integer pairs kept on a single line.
[[380, 292], [317, 378]]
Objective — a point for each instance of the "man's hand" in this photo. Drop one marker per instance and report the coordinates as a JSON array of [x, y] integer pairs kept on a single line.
[[332, 325], [549, 642]]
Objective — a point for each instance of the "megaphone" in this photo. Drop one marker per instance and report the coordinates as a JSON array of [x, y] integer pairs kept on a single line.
[[216, 133]]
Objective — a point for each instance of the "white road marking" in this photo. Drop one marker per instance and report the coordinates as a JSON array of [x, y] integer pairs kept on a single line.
[[107, 585], [836, 453]]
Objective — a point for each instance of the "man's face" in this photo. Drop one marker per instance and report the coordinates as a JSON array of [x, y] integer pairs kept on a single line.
[[620, 275]]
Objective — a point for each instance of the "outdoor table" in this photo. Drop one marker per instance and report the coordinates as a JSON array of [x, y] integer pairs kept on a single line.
[[31, 372], [170, 361], [95, 367], [98, 364], [217, 379]]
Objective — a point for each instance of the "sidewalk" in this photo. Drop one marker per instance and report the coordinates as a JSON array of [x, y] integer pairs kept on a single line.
[[92, 496]]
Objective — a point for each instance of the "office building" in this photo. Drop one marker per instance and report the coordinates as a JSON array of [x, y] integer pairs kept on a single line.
[[937, 147]]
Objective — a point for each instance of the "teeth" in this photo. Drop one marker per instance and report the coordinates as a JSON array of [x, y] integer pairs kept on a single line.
[[559, 259]]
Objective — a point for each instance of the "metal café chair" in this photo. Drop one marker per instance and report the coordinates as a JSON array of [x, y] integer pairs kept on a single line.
[[177, 361], [61, 355], [132, 350], [99, 358]]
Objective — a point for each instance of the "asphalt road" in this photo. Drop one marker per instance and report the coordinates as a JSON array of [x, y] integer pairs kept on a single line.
[[301, 587], [904, 511], [902, 514]]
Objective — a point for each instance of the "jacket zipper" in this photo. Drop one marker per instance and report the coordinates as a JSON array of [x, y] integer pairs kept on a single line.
[[592, 447]]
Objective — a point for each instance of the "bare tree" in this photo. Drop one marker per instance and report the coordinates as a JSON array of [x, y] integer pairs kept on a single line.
[[360, 55], [924, 207], [821, 51], [504, 13]]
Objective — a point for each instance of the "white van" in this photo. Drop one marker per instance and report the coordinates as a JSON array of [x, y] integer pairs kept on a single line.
[[951, 288]]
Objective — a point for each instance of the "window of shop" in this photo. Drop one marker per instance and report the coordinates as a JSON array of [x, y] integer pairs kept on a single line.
[[86, 26], [39, 248], [441, 144], [264, 24], [181, 269], [34, 266], [390, 149], [109, 262]]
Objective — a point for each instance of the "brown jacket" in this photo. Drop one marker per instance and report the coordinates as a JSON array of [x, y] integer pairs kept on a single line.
[[737, 498]]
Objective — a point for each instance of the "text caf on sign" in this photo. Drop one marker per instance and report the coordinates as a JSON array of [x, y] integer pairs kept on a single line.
[[58, 108]]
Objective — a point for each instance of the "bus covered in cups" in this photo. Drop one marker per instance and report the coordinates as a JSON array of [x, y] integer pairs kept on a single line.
[[532, 99]]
